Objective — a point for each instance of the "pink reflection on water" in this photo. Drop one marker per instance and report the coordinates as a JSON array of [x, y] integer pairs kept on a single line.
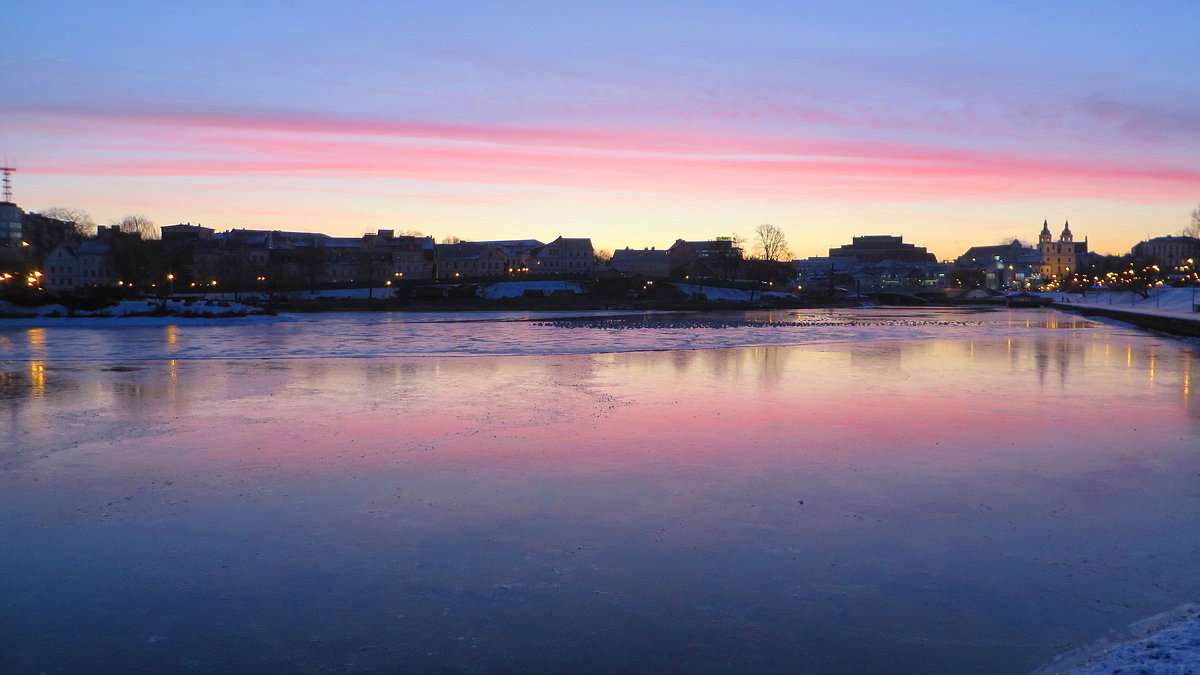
[[1016, 492]]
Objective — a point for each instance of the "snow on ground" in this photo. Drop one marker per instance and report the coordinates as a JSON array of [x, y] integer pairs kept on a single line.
[[727, 294], [1161, 301], [516, 289], [1165, 644]]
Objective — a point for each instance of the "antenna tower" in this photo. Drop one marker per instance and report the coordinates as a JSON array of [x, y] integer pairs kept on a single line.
[[7, 182]]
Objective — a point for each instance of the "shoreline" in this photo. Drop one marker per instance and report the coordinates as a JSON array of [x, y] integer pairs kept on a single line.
[[1173, 325]]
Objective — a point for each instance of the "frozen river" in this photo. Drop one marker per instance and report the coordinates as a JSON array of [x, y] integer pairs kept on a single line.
[[828, 492]]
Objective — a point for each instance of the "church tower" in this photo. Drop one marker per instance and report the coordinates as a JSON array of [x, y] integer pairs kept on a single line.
[[1059, 258]]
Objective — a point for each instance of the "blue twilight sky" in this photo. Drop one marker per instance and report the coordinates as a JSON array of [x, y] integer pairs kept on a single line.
[[951, 123]]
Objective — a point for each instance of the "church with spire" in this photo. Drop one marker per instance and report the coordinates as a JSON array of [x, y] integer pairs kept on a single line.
[[1060, 259]]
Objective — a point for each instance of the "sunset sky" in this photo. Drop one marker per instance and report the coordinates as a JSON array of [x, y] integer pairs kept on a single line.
[[635, 123]]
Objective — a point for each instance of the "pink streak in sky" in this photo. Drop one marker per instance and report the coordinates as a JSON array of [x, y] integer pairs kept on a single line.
[[169, 143]]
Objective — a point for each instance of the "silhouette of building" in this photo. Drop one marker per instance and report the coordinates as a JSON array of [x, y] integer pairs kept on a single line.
[[875, 248], [1000, 267], [1170, 250], [720, 257], [517, 252], [469, 260], [11, 219], [563, 256], [656, 263]]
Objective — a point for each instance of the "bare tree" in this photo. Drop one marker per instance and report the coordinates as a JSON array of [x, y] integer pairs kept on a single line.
[[1193, 228], [84, 225], [452, 240], [139, 224], [601, 256], [770, 243]]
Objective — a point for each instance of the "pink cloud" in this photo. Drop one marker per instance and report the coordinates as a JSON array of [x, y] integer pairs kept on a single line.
[[185, 144]]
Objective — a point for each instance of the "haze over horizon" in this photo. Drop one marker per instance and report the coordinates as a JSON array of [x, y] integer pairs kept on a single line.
[[950, 124]]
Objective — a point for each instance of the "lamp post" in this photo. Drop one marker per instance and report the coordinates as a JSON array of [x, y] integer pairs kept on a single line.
[[171, 284]]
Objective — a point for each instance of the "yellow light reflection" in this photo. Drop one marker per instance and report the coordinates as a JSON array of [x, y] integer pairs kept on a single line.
[[172, 336], [172, 381], [1187, 375], [36, 338], [37, 378]]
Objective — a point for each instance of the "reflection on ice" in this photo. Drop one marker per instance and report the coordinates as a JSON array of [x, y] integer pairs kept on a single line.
[[970, 500], [383, 334]]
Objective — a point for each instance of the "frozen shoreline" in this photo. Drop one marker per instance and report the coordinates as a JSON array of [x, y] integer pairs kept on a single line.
[[1166, 643]]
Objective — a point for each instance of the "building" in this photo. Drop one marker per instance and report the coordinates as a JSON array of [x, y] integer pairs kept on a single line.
[[563, 256], [876, 248], [720, 257], [517, 252], [1059, 259], [1010, 266], [72, 267], [654, 263], [822, 267], [11, 219], [469, 260], [406, 256], [1169, 251]]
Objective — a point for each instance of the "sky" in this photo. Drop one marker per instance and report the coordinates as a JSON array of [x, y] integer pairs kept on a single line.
[[634, 123]]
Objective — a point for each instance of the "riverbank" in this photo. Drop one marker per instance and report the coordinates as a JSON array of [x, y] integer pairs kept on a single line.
[[1163, 309], [1164, 643], [172, 307]]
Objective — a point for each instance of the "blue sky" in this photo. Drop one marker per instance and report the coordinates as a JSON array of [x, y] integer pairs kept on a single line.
[[953, 124]]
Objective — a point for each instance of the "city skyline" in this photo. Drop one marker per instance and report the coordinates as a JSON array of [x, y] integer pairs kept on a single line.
[[952, 126]]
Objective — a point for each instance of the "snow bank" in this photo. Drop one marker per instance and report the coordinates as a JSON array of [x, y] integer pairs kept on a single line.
[[1166, 644], [1161, 301], [516, 289]]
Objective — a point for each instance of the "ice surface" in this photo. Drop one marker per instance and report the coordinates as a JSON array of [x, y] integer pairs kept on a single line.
[[918, 491], [368, 335]]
